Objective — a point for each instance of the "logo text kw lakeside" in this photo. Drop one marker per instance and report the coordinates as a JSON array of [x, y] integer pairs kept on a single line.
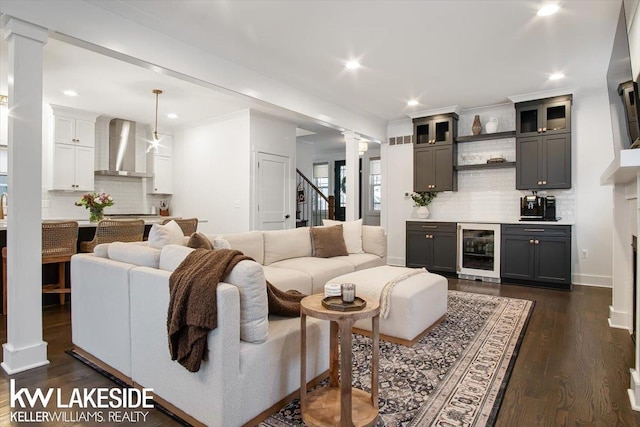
[[94, 398]]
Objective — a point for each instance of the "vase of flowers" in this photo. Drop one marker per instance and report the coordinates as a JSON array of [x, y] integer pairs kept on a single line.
[[422, 199], [95, 202]]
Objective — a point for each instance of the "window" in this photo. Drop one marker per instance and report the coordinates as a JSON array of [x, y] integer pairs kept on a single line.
[[375, 184], [321, 177]]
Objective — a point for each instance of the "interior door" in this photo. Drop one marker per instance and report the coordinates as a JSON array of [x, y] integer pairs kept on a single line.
[[340, 188], [274, 192]]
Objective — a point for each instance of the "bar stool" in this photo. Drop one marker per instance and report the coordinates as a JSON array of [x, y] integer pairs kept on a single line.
[[115, 230], [59, 243], [188, 225]]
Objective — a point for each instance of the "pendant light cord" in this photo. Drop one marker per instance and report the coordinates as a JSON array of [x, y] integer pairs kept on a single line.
[[155, 132]]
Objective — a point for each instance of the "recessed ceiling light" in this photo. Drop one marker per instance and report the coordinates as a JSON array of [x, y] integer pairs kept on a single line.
[[172, 115], [352, 65], [548, 9], [556, 76], [70, 93], [412, 102]]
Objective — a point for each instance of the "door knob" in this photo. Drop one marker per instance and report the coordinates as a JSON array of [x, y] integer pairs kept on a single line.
[[539, 130], [531, 241], [287, 216]]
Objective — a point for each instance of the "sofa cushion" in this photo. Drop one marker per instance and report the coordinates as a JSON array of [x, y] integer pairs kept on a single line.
[[374, 240], [102, 250], [328, 241], [286, 279], [251, 243], [321, 270], [172, 255], [352, 234], [362, 261], [168, 234], [134, 254], [199, 240], [286, 244], [248, 277]]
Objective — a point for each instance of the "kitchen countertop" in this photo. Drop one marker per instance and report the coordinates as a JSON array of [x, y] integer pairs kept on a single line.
[[502, 221], [148, 220]]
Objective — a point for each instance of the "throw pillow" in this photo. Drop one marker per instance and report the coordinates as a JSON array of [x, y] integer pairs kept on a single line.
[[199, 240], [352, 231], [328, 241], [168, 234]]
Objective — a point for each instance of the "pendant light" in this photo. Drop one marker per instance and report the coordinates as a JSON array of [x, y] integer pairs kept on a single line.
[[157, 92]]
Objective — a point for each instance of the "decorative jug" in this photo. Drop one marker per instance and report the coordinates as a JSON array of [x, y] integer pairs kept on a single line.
[[492, 125]]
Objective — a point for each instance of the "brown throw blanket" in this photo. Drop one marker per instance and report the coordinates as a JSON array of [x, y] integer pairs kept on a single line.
[[193, 305]]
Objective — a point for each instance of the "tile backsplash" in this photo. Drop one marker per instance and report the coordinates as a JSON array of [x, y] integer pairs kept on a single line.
[[129, 195]]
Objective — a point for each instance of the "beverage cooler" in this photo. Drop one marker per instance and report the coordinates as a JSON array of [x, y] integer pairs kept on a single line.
[[479, 252]]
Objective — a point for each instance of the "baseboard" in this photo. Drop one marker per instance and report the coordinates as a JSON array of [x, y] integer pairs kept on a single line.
[[634, 391], [619, 319], [592, 280], [20, 359]]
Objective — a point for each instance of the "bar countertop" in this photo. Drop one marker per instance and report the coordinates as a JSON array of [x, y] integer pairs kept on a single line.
[[84, 223]]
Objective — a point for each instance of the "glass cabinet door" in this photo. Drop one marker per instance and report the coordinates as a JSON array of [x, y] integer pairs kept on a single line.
[[528, 120], [442, 131], [422, 131], [556, 117]]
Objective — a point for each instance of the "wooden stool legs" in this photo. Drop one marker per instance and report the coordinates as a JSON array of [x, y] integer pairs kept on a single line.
[[59, 288]]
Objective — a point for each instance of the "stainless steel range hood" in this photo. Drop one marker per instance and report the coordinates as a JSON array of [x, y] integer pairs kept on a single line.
[[122, 150]]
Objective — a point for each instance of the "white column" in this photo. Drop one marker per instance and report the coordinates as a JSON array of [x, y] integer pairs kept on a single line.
[[25, 348], [352, 163], [620, 315]]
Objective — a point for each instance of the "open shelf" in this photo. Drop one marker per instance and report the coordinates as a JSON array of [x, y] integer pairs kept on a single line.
[[487, 136], [500, 165]]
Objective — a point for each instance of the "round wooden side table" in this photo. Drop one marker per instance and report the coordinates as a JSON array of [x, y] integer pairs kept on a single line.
[[339, 403]]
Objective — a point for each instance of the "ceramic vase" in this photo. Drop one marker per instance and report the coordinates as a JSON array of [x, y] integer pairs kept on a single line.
[[492, 125], [423, 212], [477, 126]]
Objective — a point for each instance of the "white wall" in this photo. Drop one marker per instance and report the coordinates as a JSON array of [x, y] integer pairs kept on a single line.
[[212, 173], [304, 158], [490, 195], [592, 153]]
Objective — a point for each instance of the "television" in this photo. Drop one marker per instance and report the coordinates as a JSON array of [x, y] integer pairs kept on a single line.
[[624, 100]]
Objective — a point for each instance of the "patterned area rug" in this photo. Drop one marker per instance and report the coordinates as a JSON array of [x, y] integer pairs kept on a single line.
[[454, 376]]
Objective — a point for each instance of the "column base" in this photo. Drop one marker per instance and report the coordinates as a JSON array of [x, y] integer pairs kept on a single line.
[[619, 319], [634, 391], [22, 359]]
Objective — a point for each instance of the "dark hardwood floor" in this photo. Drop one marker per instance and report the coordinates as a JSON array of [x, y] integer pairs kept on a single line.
[[572, 369]]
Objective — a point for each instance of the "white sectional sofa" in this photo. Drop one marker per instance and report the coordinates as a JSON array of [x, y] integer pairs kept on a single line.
[[286, 256], [119, 309]]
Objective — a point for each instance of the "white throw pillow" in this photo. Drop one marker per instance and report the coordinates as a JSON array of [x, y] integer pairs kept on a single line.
[[168, 234], [172, 256], [374, 240], [352, 232]]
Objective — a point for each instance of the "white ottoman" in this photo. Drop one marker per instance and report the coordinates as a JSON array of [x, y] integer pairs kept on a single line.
[[416, 302]]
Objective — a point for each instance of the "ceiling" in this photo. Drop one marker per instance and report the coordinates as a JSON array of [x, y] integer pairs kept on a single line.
[[465, 53]]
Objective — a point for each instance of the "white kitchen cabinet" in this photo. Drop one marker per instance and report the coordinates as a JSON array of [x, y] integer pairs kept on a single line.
[[69, 149], [69, 130], [160, 164], [3, 161]]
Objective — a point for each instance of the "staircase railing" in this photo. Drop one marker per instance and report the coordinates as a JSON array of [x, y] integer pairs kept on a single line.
[[312, 206]]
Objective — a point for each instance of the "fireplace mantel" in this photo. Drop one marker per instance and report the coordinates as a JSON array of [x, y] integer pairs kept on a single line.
[[623, 169]]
